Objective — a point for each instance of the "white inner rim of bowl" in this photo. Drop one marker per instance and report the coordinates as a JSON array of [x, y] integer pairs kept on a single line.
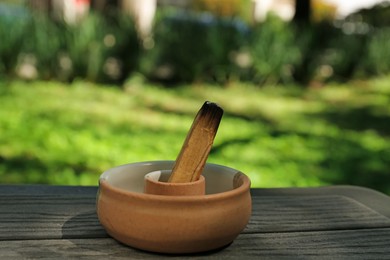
[[130, 177]]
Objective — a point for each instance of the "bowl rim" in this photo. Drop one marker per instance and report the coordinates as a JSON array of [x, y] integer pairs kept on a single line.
[[243, 188]]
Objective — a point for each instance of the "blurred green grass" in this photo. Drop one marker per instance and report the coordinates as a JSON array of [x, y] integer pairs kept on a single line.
[[56, 133]]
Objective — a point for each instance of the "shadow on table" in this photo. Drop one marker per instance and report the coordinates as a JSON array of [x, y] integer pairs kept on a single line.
[[88, 237]]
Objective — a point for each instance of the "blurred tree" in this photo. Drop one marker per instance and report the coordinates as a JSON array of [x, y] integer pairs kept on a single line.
[[378, 16], [302, 11], [105, 6], [220, 8], [41, 5], [323, 11]]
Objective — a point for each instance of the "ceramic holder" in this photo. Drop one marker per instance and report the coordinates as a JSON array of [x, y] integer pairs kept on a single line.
[[173, 224], [156, 183]]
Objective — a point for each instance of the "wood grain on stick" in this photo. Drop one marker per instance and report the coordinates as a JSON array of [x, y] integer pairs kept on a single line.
[[197, 145]]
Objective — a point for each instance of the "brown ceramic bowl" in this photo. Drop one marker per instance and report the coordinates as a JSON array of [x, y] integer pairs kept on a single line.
[[173, 224]]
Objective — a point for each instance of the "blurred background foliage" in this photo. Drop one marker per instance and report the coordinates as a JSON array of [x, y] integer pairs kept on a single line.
[[306, 104], [192, 45]]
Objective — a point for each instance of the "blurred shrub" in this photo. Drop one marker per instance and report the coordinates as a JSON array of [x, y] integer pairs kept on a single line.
[[193, 47], [312, 42], [12, 30], [339, 58], [41, 43], [123, 45], [369, 51], [274, 52], [98, 48], [84, 48], [101, 48], [377, 59]]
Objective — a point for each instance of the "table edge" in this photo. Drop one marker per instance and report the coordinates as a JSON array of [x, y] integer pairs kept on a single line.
[[373, 199]]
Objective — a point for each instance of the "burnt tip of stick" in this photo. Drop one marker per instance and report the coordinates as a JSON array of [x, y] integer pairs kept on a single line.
[[211, 113]]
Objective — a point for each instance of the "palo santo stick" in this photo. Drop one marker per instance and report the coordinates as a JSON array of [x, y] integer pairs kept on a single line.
[[197, 145]]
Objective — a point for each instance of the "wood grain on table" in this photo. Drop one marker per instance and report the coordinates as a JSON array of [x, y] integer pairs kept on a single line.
[[60, 222]]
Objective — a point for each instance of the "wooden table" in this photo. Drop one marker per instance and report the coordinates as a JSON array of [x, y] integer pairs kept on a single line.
[[338, 222]]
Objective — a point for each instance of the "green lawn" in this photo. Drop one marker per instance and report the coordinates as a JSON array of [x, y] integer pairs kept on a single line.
[[280, 136]]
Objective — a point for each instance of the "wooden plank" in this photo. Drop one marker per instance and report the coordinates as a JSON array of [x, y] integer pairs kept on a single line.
[[358, 244], [343, 244], [374, 199], [74, 216], [48, 217], [303, 213], [86, 191]]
